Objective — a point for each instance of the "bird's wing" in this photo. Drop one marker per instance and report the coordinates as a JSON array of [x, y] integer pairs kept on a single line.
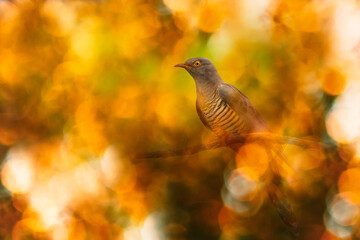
[[201, 115], [242, 107]]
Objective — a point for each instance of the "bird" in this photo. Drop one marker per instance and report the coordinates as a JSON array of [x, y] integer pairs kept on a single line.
[[227, 112]]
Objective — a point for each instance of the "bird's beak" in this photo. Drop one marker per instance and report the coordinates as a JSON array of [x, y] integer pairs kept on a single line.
[[182, 65]]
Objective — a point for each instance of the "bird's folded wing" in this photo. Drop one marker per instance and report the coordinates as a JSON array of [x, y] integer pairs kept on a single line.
[[242, 107]]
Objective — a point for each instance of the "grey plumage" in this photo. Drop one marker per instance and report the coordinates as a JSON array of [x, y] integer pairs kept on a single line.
[[228, 112], [221, 106]]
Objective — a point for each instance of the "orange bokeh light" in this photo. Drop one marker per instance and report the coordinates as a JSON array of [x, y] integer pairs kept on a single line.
[[333, 82], [349, 181], [254, 157]]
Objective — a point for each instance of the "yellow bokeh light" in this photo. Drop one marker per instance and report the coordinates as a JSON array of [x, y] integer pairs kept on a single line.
[[17, 174], [357, 149], [88, 127], [339, 231], [221, 44], [8, 70], [344, 210], [111, 165], [86, 180], [128, 97], [343, 121], [242, 185], [211, 17], [52, 198], [132, 233], [151, 228], [164, 110], [47, 208], [346, 32], [300, 16], [242, 193], [179, 6], [343, 124], [63, 14], [83, 42], [327, 235], [306, 160]]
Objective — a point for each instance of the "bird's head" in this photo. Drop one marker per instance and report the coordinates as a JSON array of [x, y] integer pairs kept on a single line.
[[201, 69]]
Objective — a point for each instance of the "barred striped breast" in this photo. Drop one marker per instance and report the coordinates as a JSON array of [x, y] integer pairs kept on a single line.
[[220, 117]]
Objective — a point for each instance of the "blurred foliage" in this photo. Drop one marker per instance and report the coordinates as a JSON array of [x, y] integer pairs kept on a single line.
[[86, 84]]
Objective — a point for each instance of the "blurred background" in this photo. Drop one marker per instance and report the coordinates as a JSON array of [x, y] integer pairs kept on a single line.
[[84, 85]]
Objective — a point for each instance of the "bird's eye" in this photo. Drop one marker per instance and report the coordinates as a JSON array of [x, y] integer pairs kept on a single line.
[[197, 63]]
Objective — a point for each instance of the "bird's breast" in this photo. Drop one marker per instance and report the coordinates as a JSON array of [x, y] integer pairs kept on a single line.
[[221, 118]]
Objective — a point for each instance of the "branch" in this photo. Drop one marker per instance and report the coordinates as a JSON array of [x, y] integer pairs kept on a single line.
[[242, 139], [277, 139], [179, 151]]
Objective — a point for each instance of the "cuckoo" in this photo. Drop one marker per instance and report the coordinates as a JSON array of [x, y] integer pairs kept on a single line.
[[229, 113]]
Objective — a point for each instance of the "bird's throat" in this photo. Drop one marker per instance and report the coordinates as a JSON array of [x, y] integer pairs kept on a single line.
[[205, 88]]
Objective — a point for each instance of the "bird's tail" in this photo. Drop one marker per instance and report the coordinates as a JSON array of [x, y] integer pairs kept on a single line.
[[280, 201], [275, 191]]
